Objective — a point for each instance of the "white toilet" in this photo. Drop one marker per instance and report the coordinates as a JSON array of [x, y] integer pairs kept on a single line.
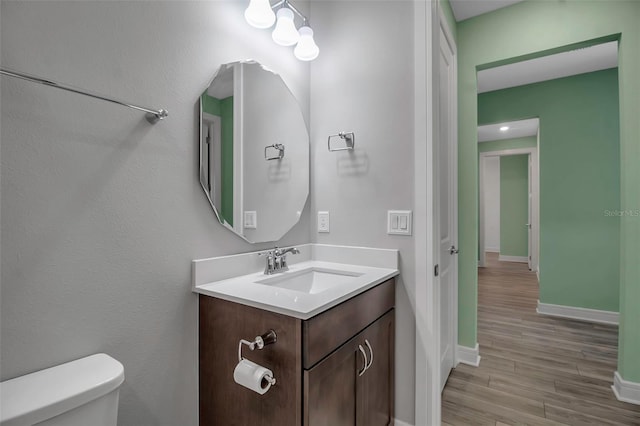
[[79, 393]]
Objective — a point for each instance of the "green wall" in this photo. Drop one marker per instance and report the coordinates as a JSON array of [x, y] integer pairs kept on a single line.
[[514, 205], [223, 108], [534, 28], [503, 144], [579, 181], [210, 105]]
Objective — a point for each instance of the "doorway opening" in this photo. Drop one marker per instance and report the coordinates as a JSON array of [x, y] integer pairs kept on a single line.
[[508, 192], [579, 159]]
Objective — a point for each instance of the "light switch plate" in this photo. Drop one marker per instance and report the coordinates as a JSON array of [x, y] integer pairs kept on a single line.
[[250, 219], [323, 222], [399, 222]]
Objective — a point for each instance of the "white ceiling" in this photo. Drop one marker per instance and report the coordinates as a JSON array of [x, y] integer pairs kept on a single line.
[[594, 58], [465, 9], [517, 129]]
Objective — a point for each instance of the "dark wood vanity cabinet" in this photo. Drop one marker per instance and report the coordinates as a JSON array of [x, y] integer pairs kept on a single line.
[[319, 363], [349, 387]]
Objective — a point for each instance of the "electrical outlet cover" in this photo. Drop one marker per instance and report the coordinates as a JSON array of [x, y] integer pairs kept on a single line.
[[323, 222], [250, 219]]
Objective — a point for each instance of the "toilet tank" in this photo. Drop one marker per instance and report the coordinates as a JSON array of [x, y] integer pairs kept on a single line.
[[79, 393]]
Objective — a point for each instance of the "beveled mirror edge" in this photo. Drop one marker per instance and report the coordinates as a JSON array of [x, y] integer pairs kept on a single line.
[[221, 221]]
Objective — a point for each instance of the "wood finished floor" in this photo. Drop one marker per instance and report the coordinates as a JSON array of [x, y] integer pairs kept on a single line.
[[534, 370]]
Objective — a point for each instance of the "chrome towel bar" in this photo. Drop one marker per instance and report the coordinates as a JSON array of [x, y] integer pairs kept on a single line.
[[153, 116]]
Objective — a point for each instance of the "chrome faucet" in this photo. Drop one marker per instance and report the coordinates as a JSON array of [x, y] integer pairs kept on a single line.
[[277, 260]]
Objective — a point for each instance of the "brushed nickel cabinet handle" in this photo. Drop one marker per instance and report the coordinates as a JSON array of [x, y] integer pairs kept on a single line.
[[366, 342], [366, 363]]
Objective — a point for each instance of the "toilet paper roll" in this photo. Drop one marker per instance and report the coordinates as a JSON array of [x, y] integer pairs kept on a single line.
[[252, 376]]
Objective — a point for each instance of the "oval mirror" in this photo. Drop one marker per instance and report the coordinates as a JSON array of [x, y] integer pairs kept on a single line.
[[254, 152]]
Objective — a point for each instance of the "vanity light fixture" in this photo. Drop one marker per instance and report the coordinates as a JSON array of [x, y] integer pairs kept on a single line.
[[307, 49], [504, 128], [285, 33], [260, 14]]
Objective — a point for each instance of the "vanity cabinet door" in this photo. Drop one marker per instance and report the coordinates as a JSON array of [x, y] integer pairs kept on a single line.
[[346, 388], [376, 385], [330, 388]]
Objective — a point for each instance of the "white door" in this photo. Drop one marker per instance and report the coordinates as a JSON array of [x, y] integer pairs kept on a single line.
[[447, 175]]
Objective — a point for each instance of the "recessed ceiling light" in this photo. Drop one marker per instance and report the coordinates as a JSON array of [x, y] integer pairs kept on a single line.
[[504, 128]]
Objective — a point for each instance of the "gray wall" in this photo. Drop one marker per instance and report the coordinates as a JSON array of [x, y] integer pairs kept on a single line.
[[363, 82], [101, 212]]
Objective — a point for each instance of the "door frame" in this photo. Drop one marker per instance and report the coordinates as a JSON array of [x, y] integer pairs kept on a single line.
[[535, 202], [212, 122], [453, 167], [427, 22]]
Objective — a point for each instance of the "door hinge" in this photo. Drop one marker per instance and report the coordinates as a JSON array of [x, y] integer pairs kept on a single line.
[[436, 270]]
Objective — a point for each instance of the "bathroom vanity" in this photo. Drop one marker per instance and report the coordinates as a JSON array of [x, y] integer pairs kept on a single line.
[[330, 307], [333, 363], [335, 368]]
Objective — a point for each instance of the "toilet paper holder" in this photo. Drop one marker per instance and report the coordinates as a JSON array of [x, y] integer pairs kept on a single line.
[[268, 338]]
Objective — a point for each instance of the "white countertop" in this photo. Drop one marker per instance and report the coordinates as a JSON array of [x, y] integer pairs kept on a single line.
[[246, 290]]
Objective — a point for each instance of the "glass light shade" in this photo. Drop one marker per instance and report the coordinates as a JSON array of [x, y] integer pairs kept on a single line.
[[307, 49], [259, 14], [285, 33]]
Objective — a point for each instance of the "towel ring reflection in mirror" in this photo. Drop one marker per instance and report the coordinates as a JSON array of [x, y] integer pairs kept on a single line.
[[278, 156], [348, 137]]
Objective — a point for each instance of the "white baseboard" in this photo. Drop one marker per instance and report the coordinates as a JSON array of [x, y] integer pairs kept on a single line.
[[519, 259], [397, 422], [469, 356], [625, 390], [538, 275], [583, 314], [492, 249]]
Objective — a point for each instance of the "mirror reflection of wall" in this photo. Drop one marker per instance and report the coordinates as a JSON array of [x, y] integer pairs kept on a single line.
[[254, 152]]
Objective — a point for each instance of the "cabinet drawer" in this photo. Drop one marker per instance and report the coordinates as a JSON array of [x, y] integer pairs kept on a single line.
[[325, 332]]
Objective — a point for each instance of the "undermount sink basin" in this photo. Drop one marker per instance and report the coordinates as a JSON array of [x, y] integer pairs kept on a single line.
[[311, 281]]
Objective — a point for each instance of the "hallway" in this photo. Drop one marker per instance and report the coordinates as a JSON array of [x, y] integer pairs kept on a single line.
[[534, 369]]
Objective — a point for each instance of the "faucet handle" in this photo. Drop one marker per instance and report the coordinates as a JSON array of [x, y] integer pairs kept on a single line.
[[270, 264]]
